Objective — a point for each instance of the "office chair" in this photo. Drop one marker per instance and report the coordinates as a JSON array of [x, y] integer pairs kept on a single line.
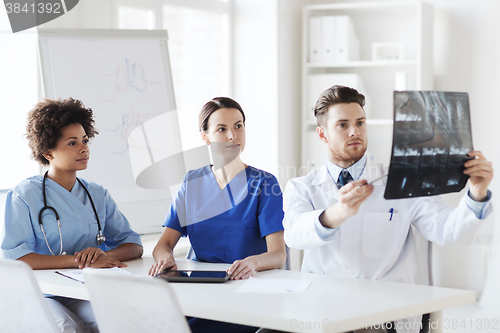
[[130, 304], [190, 253], [23, 307]]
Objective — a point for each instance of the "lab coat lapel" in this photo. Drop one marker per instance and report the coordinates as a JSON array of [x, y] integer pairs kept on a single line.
[[328, 188], [373, 171]]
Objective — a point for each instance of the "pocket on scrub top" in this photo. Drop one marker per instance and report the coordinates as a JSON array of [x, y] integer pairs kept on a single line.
[[380, 234]]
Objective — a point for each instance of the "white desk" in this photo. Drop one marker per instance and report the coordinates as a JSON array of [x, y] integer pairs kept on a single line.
[[330, 304]]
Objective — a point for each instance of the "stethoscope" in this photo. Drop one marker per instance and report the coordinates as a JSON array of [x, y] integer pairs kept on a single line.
[[100, 237]]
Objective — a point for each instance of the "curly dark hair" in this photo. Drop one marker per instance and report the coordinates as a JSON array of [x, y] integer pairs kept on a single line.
[[49, 117]]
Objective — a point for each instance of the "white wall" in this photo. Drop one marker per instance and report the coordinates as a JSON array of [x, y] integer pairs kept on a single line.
[[289, 87], [266, 80], [255, 84], [466, 53], [89, 14], [289, 96]]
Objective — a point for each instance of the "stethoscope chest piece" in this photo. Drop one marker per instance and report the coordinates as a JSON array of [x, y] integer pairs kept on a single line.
[[100, 238]]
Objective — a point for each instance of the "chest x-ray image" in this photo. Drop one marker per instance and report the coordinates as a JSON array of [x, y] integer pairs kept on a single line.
[[431, 139]]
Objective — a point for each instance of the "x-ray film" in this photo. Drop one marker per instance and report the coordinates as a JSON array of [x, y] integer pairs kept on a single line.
[[431, 139]]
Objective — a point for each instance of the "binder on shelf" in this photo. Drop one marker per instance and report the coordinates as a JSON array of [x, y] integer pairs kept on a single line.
[[339, 40], [332, 39], [315, 42], [347, 42], [317, 83], [329, 30]]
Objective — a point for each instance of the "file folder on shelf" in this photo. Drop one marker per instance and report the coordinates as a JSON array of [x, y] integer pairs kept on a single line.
[[346, 41], [332, 39], [329, 39], [315, 43]]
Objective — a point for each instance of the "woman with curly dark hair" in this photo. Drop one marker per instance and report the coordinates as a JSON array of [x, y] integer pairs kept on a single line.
[[58, 220]]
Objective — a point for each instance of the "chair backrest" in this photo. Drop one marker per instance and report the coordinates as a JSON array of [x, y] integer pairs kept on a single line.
[[190, 253], [127, 303], [288, 264], [3, 194], [23, 307]]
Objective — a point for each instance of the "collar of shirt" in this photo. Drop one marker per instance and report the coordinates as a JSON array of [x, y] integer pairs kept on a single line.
[[355, 170]]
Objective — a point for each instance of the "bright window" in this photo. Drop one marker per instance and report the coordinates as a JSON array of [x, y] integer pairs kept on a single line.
[[198, 48], [198, 45], [199, 56], [136, 18], [18, 65]]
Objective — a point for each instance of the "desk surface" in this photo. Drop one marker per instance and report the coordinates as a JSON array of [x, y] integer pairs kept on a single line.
[[330, 304]]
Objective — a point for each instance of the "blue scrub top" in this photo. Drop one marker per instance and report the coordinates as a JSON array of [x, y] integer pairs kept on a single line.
[[22, 233], [229, 224]]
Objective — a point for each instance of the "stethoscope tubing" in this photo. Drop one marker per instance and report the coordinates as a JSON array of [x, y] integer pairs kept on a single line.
[[100, 237]]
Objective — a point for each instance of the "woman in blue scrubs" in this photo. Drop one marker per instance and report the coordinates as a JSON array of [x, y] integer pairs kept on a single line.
[[232, 212], [58, 132]]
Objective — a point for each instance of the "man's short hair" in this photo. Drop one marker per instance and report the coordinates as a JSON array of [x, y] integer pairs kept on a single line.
[[335, 95]]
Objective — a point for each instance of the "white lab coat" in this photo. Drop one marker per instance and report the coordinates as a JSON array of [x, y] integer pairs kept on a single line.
[[371, 244]]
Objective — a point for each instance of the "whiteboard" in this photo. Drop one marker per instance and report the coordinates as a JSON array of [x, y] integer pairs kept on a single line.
[[125, 77]]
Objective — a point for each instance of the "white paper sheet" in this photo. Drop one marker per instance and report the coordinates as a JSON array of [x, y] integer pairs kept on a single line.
[[77, 274], [274, 286]]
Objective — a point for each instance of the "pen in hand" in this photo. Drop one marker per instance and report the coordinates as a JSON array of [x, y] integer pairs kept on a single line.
[[376, 179]]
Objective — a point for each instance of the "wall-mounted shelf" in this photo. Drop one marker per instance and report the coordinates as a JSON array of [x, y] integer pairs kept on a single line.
[[408, 24], [362, 64], [369, 121]]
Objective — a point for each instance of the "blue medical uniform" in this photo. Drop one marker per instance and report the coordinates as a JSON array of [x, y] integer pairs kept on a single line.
[[22, 234], [229, 224]]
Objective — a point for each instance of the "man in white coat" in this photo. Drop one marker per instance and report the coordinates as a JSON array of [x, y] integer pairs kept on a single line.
[[351, 230]]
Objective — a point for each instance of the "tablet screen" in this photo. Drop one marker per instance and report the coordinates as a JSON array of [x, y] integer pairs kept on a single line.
[[193, 276]]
